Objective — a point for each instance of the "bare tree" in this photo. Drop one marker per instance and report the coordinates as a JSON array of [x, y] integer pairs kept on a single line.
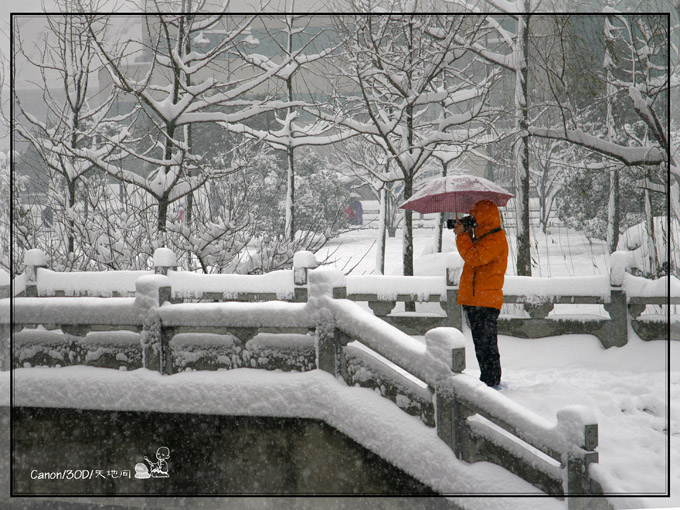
[[190, 75], [74, 114], [394, 63], [640, 85], [300, 50], [511, 53]]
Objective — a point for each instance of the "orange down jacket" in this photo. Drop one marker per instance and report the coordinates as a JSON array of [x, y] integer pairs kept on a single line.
[[481, 283]]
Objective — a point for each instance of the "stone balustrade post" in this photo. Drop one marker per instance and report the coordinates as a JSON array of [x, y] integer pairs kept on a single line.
[[617, 329], [164, 260], [451, 421], [619, 262], [303, 262], [454, 312], [151, 291], [447, 345], [579, 429], [327, 284], [33, 259]]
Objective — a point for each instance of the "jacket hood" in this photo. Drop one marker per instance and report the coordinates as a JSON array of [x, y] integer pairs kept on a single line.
[[487, 216]]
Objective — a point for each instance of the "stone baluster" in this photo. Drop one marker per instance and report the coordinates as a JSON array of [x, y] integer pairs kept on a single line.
[[579, 427], [617, 334], [454, 312], [33, 260], [325, 284], [151, 292], [451, 421], [303, 262]]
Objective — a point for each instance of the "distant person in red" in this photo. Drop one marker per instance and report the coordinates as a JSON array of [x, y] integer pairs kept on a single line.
[[351, 215], [485, 253]]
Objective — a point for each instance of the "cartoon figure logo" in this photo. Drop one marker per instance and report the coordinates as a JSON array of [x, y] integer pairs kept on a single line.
[[155, 469]]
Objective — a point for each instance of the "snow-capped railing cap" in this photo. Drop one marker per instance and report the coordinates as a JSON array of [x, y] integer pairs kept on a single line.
[[305, 259], [164, 257], [324, 280], [149, 290], [620, 261], [578, 426], [443, 339], [447, 345], [35, 257]]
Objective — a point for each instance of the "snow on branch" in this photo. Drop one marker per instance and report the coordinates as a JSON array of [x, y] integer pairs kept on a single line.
[[641, 106], [632, 156]]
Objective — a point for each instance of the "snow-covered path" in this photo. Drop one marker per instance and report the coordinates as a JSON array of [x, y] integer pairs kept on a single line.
[[626, 387]]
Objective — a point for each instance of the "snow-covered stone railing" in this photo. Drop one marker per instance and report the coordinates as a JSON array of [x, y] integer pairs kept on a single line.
[[623, 296], [287, 285], [139, 330], [476, 422], [343, 339]]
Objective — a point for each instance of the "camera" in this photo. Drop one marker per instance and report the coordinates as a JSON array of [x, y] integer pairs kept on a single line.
[[469, 223]]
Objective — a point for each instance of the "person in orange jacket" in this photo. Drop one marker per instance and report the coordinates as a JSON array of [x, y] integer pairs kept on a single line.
[[485, 253]]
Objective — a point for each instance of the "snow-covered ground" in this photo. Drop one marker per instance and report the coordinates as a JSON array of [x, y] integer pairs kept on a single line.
[[560, 252], [626, 387]]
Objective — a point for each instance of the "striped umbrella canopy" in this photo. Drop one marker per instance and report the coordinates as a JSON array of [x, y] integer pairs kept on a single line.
[[455, 193]]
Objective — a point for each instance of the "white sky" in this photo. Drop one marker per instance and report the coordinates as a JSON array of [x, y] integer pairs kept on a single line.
[[7, 7]]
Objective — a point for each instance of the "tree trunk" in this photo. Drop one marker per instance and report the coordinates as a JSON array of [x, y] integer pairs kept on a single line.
[[391, 217], [382, 227], [614, 209], [522, 148], [674, 213], [409, 306], [439, 225], [163, 204], [163, 201], [290, 196], [71, 185], [651, 244], [407, 259], [613, 216]]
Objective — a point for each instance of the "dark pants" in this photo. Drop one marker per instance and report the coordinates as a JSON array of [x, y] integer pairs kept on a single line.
[[484, 325]]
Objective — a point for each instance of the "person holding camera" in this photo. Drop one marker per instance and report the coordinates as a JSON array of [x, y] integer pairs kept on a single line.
[[483, 246]]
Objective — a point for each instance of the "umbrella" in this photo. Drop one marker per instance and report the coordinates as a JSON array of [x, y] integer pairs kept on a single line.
[[455, 193]]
